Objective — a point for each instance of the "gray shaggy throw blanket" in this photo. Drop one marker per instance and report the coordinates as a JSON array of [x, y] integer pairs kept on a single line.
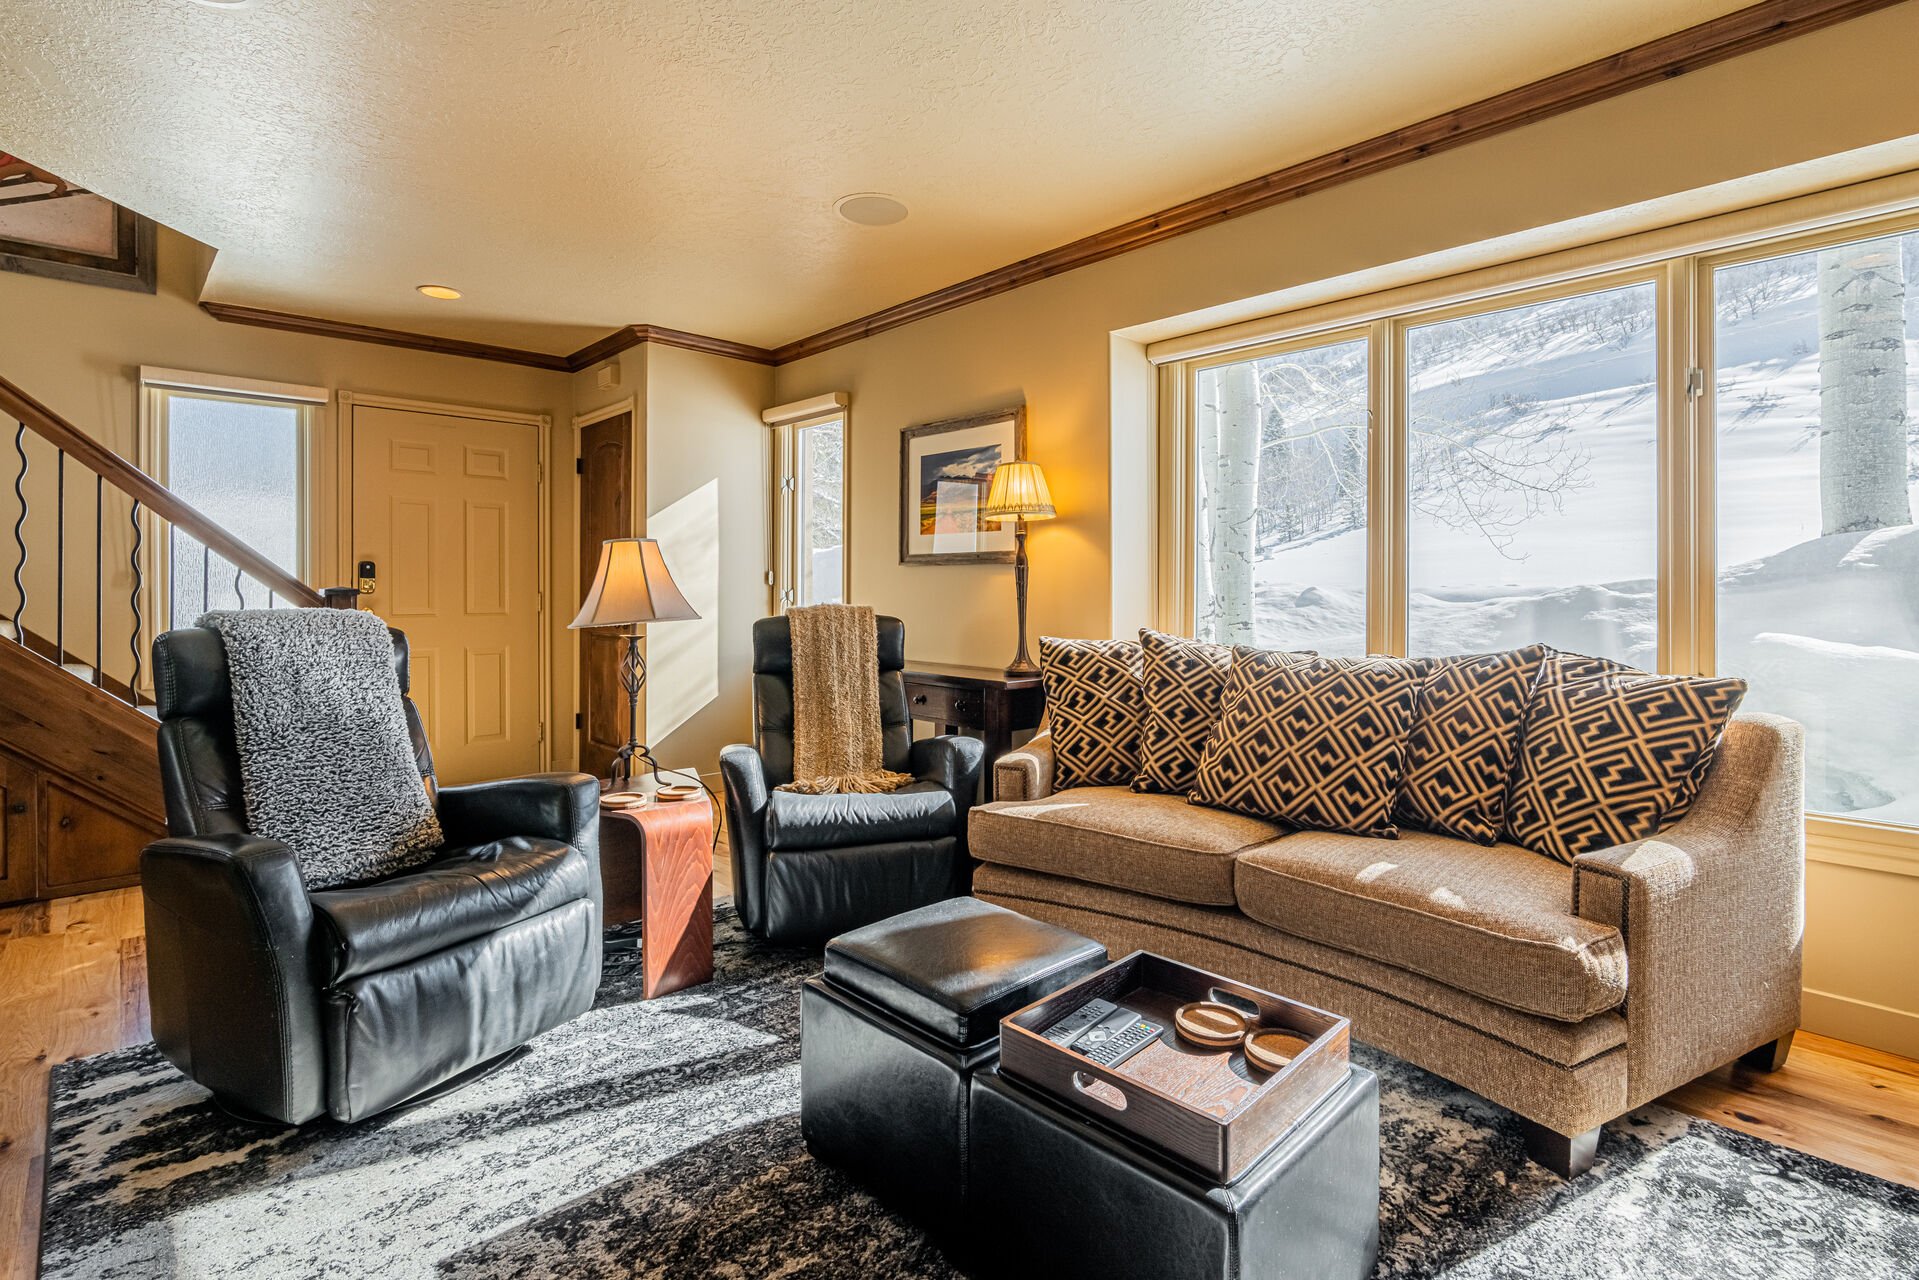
[[325, 759]]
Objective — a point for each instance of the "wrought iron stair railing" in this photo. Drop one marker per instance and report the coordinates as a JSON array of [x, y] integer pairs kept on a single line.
[[130, 510]]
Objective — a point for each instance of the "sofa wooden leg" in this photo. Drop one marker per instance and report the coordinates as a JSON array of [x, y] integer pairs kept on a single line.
[[1769, 1056], [1567, 1157]]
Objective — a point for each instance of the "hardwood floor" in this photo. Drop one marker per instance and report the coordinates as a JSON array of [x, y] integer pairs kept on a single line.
[[73, 983]]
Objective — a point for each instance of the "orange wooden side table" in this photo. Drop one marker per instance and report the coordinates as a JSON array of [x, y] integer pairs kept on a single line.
[[656, 866]]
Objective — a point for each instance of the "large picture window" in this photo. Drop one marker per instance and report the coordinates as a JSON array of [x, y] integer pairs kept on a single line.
[[1281, 499], [1815, 385], [1706, 463], [1532, 477]]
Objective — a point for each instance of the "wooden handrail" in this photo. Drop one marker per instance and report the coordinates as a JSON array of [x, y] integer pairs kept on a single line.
[[150, 493]]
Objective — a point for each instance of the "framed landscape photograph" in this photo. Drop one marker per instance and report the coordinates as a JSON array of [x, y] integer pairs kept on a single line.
[[946, 469], [52, 227]]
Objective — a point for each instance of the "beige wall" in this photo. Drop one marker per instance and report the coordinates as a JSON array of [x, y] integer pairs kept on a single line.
[[1059, 345], [78, 349]]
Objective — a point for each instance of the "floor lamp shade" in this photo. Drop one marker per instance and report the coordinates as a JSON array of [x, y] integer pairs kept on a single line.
[[631, 587]]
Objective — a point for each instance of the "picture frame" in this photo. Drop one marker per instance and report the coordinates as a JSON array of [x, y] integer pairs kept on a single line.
[[946, 469], [58, 230]]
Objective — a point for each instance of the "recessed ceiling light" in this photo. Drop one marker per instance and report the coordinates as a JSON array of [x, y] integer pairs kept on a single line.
[[870, 209], [445, 293]]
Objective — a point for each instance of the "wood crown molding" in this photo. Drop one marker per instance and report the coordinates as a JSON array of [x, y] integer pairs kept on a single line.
[[586, 357], [1665, 58], [1742, 31]]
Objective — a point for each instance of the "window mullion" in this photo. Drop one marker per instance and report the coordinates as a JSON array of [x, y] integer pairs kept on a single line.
[[1386, 602]]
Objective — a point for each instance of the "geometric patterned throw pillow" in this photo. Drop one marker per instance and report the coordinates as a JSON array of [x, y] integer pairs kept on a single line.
[[1185, 683], [1316, 743], [1610, 755], [1465, 734], [1093, 709]]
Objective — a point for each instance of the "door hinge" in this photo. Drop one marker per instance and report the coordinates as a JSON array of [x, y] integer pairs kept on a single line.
[[579, 720], [769, 577], [579, 466], [1695, 382]]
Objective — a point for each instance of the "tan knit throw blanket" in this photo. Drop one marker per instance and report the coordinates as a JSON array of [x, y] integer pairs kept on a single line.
[[836, 702]]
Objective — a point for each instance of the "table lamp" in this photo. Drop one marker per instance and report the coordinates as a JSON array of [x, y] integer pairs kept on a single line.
[[1019, 494], [631, 589]]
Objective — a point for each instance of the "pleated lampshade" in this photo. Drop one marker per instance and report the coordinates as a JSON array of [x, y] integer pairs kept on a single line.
[[1019, 489], [632, 586]]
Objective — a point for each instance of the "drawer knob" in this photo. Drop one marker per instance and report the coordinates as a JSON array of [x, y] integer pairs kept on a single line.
[[919, 699]]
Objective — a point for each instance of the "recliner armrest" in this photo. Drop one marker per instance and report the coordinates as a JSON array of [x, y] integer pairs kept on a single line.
[[743, 772], [556, 806], [1025, 773], [234, 996], [953, 763]]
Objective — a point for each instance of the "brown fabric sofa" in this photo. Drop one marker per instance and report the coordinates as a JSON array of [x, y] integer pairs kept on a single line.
[[1569, 995]]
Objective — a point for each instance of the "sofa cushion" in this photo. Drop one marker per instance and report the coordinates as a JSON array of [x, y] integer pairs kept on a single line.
[[463, 893], [1494, 922], [1092, 709], [1310, 742], [918, 811], [1184, 684], [1465, 734], [1610, 755], [1114, 836]]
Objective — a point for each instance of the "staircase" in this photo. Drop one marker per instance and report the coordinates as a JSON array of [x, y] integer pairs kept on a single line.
[[92, 537]]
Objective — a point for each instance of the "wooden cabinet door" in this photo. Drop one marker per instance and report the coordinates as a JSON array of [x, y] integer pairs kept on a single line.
[[17, 817], [606, 511]]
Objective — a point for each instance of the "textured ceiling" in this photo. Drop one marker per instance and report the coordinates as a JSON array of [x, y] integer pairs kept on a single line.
[[574, 165]]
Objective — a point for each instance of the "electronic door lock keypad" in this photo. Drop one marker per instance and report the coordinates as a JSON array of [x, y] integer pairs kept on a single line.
[[367, 574]]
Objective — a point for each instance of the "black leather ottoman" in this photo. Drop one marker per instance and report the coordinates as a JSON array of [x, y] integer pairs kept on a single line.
[[891, 1034], [1056, 1194]]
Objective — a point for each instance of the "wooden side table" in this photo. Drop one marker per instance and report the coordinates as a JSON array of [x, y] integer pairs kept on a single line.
[[656, 866], [984, 700]]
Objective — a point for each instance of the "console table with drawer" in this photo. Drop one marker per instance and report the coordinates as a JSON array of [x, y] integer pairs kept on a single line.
[[981, 700]]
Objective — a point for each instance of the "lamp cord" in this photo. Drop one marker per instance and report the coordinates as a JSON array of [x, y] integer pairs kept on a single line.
[[645, 756]]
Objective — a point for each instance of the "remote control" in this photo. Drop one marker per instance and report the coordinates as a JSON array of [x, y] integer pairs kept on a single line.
[[1104, 1032], [1118, 1037], [1067, 1029]]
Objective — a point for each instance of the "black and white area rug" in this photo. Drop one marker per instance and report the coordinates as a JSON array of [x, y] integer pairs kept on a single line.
[[661, 1138]]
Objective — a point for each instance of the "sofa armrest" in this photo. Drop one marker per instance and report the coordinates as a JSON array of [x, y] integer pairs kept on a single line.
[[954, 763], [1712, 911], [1025, 773], [743, 774], [235, 1000]]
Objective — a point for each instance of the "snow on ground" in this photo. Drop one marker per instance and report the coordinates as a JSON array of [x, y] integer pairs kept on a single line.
[[1826, 629]]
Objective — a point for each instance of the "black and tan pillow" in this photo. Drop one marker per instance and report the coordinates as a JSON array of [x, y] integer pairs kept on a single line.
[[1093, 705], [1318, 743], [1185, 685], [1465, 735], [1610, 755]]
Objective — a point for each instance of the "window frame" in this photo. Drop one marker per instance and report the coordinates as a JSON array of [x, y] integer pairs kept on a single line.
[[1681, 270], [784, 574], [158, 388]]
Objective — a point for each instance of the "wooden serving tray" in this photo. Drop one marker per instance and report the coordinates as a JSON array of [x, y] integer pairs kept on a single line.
[[1207, 1108]]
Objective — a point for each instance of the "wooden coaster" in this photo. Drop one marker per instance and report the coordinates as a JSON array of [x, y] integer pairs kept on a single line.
[[623, 800], [1208, 1022], [1271, 1050], [677, 793]]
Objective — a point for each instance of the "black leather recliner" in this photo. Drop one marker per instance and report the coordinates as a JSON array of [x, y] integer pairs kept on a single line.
[[289, 1002], [808, 867]]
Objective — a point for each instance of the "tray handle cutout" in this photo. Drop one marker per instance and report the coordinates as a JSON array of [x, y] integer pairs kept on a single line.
[[1101, 1091], [1238, 1002]]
